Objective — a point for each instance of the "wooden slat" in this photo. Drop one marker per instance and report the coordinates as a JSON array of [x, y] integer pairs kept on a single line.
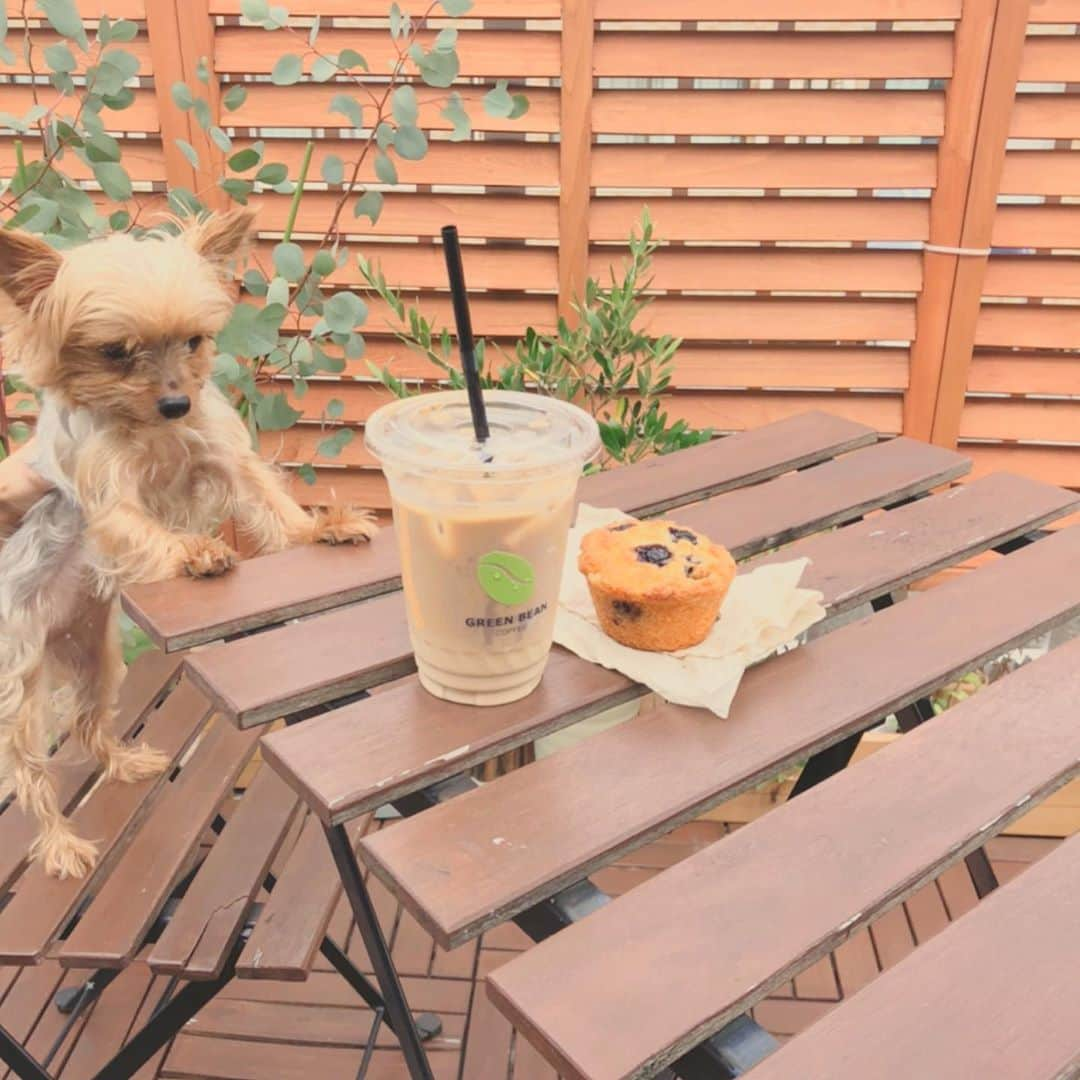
[[847, 10], [208, 922], [996, 979], [294, 921], [1032, 327], [892, 842], [766, 166], [767, 112], [482, 9], [774, 55], [1038, 172], [43, 39], [42, 905], [363, 755], [140, 116], [564, 816], [148, 681], [143, 159], [1054, 465], [111, 931], [306, 580], [90, 10], [286, 670], [1033, 420]]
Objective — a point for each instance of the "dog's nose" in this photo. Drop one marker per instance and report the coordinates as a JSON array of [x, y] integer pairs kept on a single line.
[[174, 406]]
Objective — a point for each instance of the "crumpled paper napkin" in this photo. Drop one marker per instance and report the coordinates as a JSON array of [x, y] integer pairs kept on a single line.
[[764, 610]]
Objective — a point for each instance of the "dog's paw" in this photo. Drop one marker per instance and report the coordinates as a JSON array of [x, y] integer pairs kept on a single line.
[[207, 556], [129, 764], [344, 525], [64, 855]]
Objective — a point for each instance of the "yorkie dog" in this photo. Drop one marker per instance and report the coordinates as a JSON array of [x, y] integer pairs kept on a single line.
[[146, 459]]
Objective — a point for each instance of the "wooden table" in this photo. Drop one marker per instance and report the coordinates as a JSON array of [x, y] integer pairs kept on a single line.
[[307, 633]]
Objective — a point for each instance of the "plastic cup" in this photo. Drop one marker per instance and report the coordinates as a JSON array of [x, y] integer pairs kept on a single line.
[[481, 530]]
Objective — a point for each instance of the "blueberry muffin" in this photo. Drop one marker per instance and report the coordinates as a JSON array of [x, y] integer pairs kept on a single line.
[[655, 585]]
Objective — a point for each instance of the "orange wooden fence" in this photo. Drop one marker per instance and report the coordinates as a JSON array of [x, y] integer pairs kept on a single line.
[[828, 176]]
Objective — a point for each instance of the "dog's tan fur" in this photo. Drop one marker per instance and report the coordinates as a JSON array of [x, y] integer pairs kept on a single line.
[[106, 331]]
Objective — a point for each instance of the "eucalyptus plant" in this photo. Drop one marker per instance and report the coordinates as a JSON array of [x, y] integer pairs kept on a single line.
[[285, 329]]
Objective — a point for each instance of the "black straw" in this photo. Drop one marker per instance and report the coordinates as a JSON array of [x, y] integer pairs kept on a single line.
[[456, 273]]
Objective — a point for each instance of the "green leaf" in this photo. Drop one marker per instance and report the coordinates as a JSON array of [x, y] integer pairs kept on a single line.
[[184, 202], [456, 114], [521, 107], [335, 408], [234, 97], [202, 71], [102, 148], [323, 69], [350, 58], [498, 102], [371, 204], [274, 413], [313, 33], [384, 135], [332, 445], [273, 173], [60, 58], [119, 221], [189, 152], [289, 260], [399, 22], [278, 18], [343, 311], [456, 7], [256, 10], [349, 107], [277, 292], [245, 159], [125, 64], [255, 282], [385, 169], [182, 96], [114, 181], [220, 139], [123, 30], [446, 40], [307, 474], [404, 105], [238, 190], [333, 169], [324, 263], [122, 99], [287, 71], [202, 113], [439, 68], [410, 143], [64, 18], [355, 347]]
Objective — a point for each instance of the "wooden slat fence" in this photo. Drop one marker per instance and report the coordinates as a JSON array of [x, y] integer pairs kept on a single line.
[[796, 156]]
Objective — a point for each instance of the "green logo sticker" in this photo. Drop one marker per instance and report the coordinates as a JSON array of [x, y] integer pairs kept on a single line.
[[508, 579]]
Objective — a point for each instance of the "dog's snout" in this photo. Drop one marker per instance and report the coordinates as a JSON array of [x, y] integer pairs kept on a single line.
[[174, 406]]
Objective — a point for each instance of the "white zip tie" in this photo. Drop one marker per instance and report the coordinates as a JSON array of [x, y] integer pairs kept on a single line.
[[944, 249]]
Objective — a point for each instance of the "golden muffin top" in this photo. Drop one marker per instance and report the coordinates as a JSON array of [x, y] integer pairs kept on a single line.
[[654, 560]]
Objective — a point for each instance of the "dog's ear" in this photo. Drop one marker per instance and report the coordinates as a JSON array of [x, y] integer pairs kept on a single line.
[[222, 238], [28, 266]]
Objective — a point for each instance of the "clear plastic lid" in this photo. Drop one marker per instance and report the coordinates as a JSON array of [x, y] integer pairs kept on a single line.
[[529, 433]]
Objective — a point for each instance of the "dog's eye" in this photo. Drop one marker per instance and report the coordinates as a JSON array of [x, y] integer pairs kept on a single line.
[[116, 351], [194, 342]]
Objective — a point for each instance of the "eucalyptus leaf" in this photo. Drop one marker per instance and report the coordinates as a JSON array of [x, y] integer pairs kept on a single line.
[[189, 152], [385, 169], [238, 190], [234, 97], [439, 68], [277, 292], [410, 143], [245, 159], [202, 70], [255, 10], [119, 221], [272, 173], [454, 111], [182, 96], [313, 33], [403, 104], [399, 22], [274, 413], [343, 311], [355, 346], [384, 135], [446, 40], [114, 181], [255, 282], [498, 101], [287, 71], [202, 113], [307, 474], [121, 100], [64, 18], [123, 30], [369, 204], [220, 139], [323, 69], [102, 148], [333, 169], [289, 260], [60, 58], [324, 263], [335, 408], [521, 107], [349, 107], [456, 7], [350, 58]]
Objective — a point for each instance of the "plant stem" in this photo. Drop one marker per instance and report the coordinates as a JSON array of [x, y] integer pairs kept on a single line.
[[20, 166], [298, 194]]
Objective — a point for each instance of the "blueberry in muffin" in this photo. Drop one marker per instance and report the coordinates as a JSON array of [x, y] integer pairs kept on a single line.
[[656, 585]]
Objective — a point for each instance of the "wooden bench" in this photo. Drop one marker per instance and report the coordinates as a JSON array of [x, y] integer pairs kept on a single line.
[[676, 959]]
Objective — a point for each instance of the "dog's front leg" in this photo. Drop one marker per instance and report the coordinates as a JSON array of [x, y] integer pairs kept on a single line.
[[273, 520], [137, 548]]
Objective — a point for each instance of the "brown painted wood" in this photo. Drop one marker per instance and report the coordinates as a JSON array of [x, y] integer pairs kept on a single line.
[[362, 755], [112, 929], [261, 678], [757, 518], [148, 681], [995, 995], [260, 592], [42, 905], [207, 924], [482, 857], [676, 959], [294, 921]]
